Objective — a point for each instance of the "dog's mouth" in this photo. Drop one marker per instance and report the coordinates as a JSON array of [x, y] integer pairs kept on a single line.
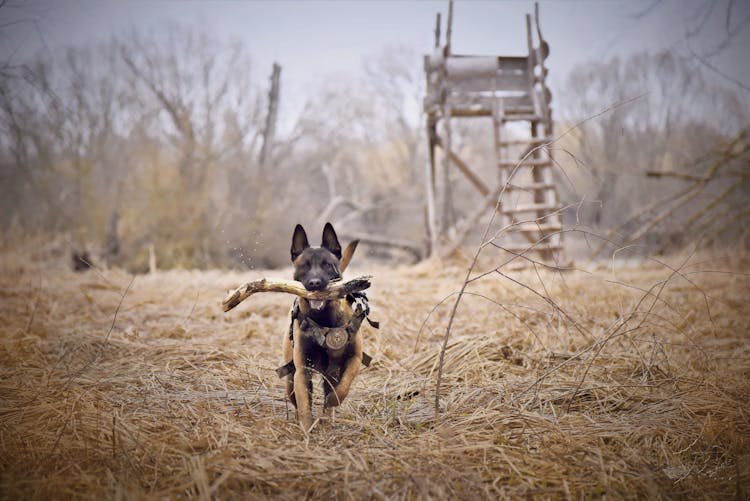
[[317, 304]]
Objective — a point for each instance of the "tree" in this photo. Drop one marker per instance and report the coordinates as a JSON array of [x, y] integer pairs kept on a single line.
[[158, 132], [363, 138], [676, 117]]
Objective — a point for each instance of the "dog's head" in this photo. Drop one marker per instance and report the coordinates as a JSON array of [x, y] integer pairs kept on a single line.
[[315, 267]]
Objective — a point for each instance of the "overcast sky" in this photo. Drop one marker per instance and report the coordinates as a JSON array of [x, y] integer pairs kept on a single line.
[[318, 40]]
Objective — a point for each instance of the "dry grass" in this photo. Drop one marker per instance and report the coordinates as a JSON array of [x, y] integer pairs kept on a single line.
[[176, 399]]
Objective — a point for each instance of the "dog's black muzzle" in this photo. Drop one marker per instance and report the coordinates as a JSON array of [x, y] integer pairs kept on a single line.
[[315, 284]]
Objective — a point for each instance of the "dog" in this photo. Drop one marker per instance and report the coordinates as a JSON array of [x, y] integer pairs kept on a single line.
[[315, 267]]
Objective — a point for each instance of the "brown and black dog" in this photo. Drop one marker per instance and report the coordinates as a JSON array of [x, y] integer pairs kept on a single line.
[[315, 267]]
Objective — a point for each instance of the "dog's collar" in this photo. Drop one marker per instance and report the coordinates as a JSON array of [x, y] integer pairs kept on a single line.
[[360, 305]]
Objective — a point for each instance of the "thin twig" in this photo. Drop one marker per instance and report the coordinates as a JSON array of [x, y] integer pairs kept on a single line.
[[623, 323]]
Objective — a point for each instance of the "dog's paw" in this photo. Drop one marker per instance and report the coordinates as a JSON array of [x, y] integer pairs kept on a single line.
[[305, 422], [326, 418], [334, 399]]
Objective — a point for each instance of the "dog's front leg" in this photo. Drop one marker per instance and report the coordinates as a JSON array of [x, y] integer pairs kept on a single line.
[[303, 396], [288, 355], [341, 390], [302, 382]]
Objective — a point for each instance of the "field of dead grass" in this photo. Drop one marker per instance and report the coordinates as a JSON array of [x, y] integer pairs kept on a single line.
[[627, 381]]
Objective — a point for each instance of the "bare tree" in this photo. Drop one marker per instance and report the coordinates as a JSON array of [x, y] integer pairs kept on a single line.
[[185, 82], [60, 123], [194, 96], [677, 118], [157, 132], [363, 136]]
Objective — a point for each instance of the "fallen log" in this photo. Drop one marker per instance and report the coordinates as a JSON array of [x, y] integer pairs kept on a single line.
[[335, 290]]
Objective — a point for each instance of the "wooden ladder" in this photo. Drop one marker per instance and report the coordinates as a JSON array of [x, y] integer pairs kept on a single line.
[[530, 203]]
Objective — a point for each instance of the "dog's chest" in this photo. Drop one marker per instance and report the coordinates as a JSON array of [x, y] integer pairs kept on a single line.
[[335, 313]]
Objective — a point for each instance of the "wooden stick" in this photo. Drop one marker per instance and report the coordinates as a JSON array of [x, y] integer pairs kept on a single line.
[[466, 170], [335, 290]]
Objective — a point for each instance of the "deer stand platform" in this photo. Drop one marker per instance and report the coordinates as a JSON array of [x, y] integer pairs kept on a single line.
[[510, 90]]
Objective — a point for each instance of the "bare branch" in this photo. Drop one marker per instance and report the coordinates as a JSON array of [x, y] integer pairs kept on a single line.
[[335, 290]]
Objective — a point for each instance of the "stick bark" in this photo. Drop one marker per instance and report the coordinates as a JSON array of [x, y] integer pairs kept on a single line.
[[335, 290]]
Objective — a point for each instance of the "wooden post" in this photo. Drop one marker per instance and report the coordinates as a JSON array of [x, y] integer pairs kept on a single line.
[[449, 29], [535, 170], [501, 156], [430, 187], [540, 173], [530, 66], [541, 53], [269, 131], [447, 208], [437, 30], [446, 219]]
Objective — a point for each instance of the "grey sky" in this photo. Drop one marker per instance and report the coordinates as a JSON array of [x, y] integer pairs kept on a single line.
[[318, 40]]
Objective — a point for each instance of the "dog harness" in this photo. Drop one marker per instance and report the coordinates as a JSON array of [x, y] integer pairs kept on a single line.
[[361, 307]]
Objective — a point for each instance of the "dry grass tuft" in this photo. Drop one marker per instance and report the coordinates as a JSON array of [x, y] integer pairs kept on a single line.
[[585, 385]]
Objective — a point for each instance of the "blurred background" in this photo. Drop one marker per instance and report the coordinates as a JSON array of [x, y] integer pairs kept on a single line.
[[197, 134]]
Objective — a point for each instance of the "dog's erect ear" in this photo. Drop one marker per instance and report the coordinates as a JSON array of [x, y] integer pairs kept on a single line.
[[347, 255], [299, 241], [331, 241]]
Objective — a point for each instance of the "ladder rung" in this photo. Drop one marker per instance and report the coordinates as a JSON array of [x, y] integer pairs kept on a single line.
[[470, 111], [519, 110], [530, 162], [533, 140], [529, 208], [529, 247], [540, 228], [529, 117], [530, 187]]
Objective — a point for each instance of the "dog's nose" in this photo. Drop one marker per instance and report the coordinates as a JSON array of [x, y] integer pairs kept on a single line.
[[314, 284]]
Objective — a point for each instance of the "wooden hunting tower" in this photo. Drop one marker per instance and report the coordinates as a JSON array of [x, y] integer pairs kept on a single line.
[[510, 90]]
